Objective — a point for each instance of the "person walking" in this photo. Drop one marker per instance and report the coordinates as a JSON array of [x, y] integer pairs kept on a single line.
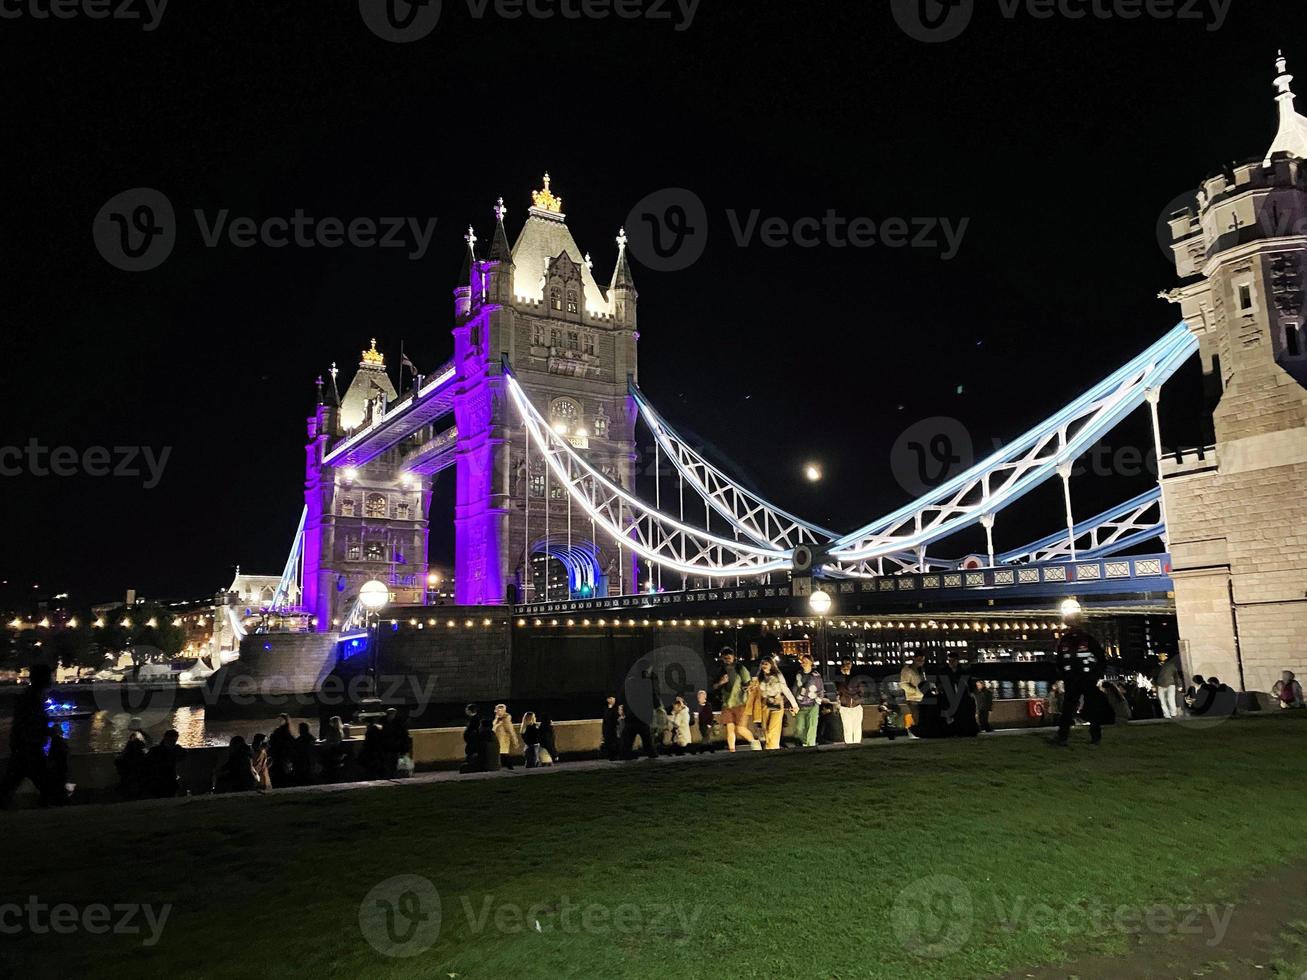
[[911, 679], [1169, 681], [848, 693], [776, 697], [28, 736], [809, 691], [610, 744], [506, 736], [732, 684], [1080, 663]]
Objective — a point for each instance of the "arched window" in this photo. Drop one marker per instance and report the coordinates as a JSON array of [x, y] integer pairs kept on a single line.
[[565, 410], [376, 505], [601, 424], [572, 306], [354, 553], [401, 510], [537, 484], [347, 507], [556, 298], [375, 551]]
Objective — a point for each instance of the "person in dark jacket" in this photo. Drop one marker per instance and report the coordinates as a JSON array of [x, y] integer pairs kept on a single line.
[[161, 766], [281, 751], [395, 741], [960, 712], [236, 774], [1169, 681], [547, 739], [472, 739], [131, 768], [304, 756], [28, 737], [984, 705], [1080, 663], [610, 745], [488, 747], [703, 716]]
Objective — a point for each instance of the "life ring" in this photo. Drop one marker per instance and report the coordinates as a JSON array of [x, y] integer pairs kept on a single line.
[[1035, 708]]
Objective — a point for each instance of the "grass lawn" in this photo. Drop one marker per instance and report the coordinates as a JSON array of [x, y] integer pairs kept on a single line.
[[961, 859]]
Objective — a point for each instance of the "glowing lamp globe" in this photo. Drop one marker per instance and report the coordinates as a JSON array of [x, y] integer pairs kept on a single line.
[[374, 595], [820, 602], [1071, 608]]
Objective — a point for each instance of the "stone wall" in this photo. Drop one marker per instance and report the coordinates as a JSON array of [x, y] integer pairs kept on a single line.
[[277, 664], [461, 662]]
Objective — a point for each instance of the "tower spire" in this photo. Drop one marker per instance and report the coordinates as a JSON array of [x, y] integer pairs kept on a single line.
[[1292, 136], [622, 273], [499, 250]]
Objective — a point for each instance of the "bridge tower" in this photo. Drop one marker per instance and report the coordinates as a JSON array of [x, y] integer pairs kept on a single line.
[[360, 523], [572, 344], [1236, 511]]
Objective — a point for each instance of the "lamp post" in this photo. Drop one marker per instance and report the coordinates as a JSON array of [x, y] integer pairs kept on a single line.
[[374, 595], [820, 602]]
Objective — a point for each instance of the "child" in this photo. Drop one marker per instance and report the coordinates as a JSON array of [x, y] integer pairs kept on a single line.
[[891, 724]]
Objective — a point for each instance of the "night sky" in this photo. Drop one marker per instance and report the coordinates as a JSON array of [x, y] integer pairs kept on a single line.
[[1062, 141]]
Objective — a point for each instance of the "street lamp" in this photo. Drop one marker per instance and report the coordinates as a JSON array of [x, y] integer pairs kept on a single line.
[[820, 602], [1071, 608], [374, 595]]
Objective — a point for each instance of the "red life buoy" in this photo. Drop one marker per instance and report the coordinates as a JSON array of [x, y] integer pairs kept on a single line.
[[1035, 708]]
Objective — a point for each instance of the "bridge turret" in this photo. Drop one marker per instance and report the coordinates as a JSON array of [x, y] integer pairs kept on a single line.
[[1242, 255], [463, 289]]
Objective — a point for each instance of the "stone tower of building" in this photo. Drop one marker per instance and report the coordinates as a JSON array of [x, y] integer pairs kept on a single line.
[[1237, 511], [361, 523], [572, 344]]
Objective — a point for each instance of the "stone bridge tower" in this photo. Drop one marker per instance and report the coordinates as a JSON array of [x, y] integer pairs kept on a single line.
[[1237, 510], [572, 344]]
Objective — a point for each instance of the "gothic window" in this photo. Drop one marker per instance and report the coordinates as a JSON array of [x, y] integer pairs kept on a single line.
[[571, 301], [476, 336], [556, 298], [555, 492], [1292, 341], [401, 510], [1245, 296], [601, 425], [537, 484], [555, 338], [376, 505], [354, 552], [347, 506], [565, 410], [375, 551], [538, 335], [590, 343], [573, 341]]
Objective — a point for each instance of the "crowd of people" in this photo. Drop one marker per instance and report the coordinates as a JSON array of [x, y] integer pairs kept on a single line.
[[765, 703]]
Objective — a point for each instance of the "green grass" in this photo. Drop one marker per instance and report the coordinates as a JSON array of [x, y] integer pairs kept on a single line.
[[787, 865]]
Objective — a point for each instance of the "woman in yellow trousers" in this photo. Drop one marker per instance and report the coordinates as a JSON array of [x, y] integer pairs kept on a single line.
[[773, 693]]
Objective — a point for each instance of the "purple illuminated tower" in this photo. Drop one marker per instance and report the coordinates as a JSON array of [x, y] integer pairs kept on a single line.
[[572, 344]]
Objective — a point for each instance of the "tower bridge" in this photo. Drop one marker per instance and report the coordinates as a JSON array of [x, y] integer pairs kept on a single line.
[[539, 411]]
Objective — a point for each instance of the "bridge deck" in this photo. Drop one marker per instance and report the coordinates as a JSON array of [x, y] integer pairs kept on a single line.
[[429, 404]]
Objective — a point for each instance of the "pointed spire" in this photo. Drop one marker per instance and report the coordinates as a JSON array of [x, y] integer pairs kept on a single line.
[[469, 257], [499, 250], [333, 396], [622, 274], [319, 387], [1292, 136]]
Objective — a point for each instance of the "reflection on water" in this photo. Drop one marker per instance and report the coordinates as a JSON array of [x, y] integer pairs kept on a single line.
[[107, 731]]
